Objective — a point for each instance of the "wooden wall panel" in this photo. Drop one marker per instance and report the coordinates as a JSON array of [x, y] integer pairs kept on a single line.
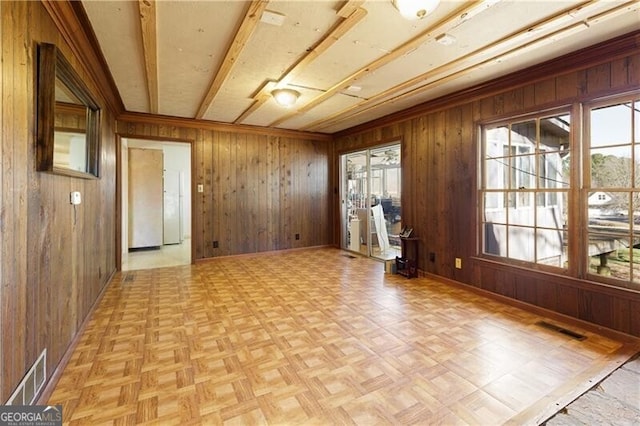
[[599, 78], [568, 298], [197, 201], [12, 223], [55, 259], [418, 156], [567, 86], [634, 320], [440, 177], [596, 307], [260, 190]]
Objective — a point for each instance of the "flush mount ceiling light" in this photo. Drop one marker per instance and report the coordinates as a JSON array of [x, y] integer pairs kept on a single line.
[[285, 97], [415, 9]]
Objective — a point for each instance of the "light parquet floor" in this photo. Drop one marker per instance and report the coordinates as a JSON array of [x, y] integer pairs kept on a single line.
[[317, 337]]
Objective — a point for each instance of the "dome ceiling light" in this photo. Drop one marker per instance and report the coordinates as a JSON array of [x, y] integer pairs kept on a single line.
[[415, 9], [285, 97]]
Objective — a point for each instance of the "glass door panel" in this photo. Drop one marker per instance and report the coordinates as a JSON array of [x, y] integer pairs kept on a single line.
[[371, 216], [356, 190], [385, 172]]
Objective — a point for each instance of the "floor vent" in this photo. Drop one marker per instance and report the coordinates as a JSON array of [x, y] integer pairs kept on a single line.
[[129, 278], [29, 388], [348, 256], [561, 330]]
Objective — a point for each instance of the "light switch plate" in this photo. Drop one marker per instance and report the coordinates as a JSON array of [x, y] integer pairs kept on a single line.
[[75, 198]]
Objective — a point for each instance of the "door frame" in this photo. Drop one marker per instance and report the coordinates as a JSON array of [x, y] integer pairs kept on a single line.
[[118, 189]]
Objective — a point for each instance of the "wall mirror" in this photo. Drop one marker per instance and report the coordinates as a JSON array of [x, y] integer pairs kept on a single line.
[[68, 118]]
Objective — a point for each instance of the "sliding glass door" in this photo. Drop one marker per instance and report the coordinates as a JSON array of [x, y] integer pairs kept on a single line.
[[371, 214]]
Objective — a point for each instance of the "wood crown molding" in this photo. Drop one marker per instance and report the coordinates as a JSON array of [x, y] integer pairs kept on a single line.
[[590, 56], [73, 23], [134, 117]]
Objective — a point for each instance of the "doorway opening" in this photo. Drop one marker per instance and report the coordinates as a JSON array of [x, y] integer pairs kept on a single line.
[[371, 217], [156, 203]]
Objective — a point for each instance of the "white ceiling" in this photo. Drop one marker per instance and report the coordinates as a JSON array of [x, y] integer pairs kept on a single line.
[[321, 49]]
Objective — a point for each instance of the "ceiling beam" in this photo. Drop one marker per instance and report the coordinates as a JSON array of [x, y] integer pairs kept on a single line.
[[546, 31], [349, 7], [330, 38], [247, 26], [147, 10], [459, 16]]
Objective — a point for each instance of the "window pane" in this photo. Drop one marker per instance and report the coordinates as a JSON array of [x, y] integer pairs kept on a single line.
[[615, 262], [554, 133], [611, 125], [496, 173], [609, 228], [495, 239], [636, 214], [635, 267], [553, 170], [524, 173], [636, 120], [551, 247], [552, 213], [521, 243], [494, 210], [495, 140], [611, 167], [636, 166], [524, 214], [524, 134], [612, 213]]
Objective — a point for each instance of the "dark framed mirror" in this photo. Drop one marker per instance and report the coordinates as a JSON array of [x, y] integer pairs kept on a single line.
[[68, 118]]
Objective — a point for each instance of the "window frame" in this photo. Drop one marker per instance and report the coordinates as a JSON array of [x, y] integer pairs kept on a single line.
[[587, 188], [535, 189], [578, 191]]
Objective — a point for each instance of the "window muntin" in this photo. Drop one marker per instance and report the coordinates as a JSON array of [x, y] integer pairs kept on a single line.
[[525, 187], [613, 173], [525, 175]]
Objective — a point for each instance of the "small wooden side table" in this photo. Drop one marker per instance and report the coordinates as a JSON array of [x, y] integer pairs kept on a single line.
[[407, 265]]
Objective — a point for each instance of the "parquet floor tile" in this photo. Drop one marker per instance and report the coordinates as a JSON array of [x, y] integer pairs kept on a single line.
[[316, 337]]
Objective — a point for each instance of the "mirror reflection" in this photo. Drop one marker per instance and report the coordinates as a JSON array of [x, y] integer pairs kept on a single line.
[[70, 130]]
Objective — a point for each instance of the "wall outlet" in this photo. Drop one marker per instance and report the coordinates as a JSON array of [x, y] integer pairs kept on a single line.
[[297, 236], [215, 244], [458, 263]]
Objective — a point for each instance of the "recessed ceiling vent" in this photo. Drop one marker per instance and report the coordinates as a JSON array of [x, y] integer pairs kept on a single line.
[[272, 18]]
